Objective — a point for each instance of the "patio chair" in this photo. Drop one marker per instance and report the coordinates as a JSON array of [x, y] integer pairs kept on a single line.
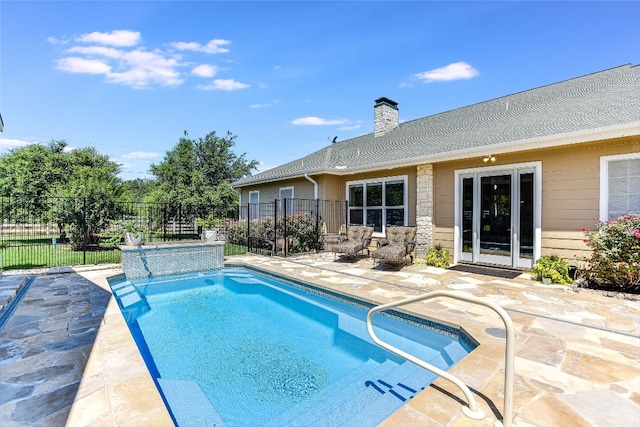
[[356, 239], [397, 246]]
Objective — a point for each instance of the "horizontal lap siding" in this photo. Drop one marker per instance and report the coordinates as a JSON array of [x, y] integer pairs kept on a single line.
[[443, 209], [570, 187]]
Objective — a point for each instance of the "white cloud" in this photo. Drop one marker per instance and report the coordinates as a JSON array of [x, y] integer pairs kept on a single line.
[[8, 144], [266, 105], [317, 121], [455, 71], [224, 84], [205, 70], [350, 127], [108, 52], [74, 64], [140, 155], [212, 47], [120, 38], [136, 68], [113, 55]]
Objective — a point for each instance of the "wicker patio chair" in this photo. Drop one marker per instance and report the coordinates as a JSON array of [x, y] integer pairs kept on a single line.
[[397, 246], [356, 239]]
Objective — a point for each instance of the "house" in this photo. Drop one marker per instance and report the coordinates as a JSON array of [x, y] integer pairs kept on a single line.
[[499, 182]]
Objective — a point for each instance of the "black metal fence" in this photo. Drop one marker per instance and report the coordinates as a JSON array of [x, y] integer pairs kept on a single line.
[[287, 226], [59, 231]]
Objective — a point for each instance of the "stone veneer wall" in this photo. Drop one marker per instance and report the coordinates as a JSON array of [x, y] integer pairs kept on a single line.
[[385, 117], [424, 209], [171, 258]]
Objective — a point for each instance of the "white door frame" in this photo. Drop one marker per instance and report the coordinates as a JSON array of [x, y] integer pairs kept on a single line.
[[514, 170]]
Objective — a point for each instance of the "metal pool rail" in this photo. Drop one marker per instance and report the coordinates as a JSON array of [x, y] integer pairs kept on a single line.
[[472, 411]]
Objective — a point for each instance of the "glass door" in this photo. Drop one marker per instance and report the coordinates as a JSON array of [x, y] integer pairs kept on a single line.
[[496, 218]]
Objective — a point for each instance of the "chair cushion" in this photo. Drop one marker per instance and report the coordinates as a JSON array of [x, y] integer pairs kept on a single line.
[[390, 253]]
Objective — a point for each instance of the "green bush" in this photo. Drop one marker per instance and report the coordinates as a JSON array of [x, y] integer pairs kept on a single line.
[[553, 267], [615, 259], [301, 228], [438, 256]]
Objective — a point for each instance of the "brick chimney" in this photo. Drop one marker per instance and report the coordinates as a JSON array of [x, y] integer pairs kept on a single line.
[[385, 116]]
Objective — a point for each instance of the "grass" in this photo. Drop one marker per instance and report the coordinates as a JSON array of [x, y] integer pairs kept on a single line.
[[20, 252]]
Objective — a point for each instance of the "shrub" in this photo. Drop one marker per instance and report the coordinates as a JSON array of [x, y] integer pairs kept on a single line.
[[438, 256], [615, 259], [553, 267], [302, 228]]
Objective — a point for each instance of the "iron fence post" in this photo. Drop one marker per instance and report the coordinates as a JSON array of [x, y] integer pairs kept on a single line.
[[285, 249], [248, 227]]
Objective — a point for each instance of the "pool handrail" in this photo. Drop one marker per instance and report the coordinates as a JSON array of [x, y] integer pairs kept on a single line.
[[472, 411]]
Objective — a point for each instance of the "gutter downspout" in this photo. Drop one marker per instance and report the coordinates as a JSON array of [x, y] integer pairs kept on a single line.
[[315, 186]]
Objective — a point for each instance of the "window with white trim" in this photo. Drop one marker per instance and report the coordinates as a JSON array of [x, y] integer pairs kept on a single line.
[[254, 200], [378, 202], [619, 185], [286, 193]]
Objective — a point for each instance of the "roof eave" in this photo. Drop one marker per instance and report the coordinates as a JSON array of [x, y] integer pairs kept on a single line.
[[597, 134], [609, 132]]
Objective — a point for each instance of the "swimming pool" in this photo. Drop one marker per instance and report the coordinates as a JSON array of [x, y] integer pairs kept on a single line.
[[235, 347]]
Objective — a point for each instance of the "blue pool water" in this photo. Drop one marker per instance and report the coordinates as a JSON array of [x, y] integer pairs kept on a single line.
[[234, 348]]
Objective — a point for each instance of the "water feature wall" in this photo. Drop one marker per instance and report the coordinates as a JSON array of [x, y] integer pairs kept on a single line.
[[171, 258]]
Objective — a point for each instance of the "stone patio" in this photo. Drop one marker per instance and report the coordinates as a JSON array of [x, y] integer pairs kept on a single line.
[[67, 357]]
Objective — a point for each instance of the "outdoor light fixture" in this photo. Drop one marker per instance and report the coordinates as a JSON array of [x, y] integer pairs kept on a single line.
[[490, 157]]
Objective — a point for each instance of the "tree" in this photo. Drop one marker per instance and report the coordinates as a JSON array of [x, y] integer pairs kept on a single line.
[[34, 171], [199, 172], [85, 181], [137, 190], [90, 194]]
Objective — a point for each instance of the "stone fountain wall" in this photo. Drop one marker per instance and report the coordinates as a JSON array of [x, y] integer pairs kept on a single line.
[[171, 258]]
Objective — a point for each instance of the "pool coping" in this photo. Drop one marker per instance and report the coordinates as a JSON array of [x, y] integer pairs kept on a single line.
[[577, 351]]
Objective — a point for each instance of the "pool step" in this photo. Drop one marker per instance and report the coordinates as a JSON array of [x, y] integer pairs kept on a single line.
[[347, 385], [189, 405], [399, 387], [379, 393]]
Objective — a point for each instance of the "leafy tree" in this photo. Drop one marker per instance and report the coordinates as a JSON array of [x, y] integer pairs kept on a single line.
[[90, 195], [137, 190], [199, 171], [34, 171], [86, 182]]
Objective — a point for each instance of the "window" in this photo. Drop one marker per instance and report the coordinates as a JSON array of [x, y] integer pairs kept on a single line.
[[286, 193], [619, 185], [378, 202], [254, 200]]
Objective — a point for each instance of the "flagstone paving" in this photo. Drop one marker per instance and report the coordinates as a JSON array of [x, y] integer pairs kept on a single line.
[[67, 357]]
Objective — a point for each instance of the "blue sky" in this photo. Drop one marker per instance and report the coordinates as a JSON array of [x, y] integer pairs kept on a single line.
[[285, 77]]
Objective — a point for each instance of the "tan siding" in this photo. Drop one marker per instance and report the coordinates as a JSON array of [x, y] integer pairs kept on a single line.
[[570, 187], [302, 189], [569, 244], [444, 236], [330, 188]]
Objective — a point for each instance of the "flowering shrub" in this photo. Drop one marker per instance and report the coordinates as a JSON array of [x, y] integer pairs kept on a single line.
[[615, 261]]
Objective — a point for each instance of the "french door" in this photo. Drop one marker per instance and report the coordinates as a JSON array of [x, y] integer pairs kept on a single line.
[[498, 215]]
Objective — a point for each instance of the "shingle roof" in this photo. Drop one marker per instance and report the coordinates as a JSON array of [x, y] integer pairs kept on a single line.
[[602, 100]]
